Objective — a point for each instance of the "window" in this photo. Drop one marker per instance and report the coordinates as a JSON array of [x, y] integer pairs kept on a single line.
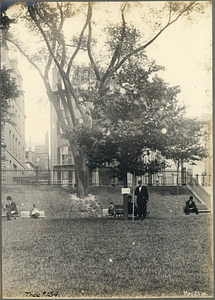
[[15, 120], [61, 105], [10, 142], [19, 151], [13, 141], [16, 146], [64, 159]]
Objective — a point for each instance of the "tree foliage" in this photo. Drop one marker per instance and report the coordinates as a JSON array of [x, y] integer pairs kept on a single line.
[[9, 91], [128, 121], [184, 141]]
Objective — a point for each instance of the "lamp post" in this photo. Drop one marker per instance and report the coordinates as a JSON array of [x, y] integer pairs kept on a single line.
[[49, 173]]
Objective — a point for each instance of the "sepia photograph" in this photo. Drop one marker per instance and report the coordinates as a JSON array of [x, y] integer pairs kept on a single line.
[[106, 149]]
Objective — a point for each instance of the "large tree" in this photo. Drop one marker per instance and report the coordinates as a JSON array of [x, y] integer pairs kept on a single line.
[[47, 21], [128, 122]]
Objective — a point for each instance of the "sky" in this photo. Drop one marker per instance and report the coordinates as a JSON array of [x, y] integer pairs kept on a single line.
[[184, 49]]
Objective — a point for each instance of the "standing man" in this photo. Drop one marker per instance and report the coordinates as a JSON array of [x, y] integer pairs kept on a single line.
[[142, 197]]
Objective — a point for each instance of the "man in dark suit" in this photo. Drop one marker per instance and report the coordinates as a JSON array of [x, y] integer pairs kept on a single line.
[[190, 207], [142, 197], [11, 208]]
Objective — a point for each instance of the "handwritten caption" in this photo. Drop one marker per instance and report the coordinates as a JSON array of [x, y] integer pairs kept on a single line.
[[44, 294], [195, 293]]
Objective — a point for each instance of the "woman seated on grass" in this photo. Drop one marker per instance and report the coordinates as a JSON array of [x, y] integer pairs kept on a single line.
[[34, 213], [190, 206]]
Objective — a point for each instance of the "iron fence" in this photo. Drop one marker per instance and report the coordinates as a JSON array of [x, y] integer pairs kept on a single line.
[[103, 176]]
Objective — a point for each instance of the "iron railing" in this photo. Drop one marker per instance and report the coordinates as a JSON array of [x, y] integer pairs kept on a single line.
[[103, 176]]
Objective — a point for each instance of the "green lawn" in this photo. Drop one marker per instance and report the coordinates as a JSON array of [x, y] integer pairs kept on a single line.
[[169, 254]]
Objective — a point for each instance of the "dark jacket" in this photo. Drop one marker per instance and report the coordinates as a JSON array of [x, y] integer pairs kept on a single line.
[[142, 196], [12, 207], [190, 204]]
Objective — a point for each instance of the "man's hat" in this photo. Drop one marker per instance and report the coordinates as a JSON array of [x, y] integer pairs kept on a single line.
[[139, 181], [9, 198]]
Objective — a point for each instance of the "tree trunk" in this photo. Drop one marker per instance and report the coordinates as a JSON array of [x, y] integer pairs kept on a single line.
[[81, 171], [177, 179], [125, 198]]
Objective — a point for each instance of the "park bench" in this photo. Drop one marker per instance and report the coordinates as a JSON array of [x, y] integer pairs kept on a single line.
[[118, 209], [204, 211], [25, 214], [4, 213], [201, 209]]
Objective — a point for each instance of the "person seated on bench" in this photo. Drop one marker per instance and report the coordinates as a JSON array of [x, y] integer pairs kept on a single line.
[[190, 206], [11, 208], [111, 209], [34, 213]]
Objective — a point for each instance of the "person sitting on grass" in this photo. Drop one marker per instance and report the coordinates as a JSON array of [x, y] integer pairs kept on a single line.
[[111, 209], [11, 208], [190, 206], [34, 213]]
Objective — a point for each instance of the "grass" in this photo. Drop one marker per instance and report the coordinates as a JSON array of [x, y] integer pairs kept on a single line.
[[166, 255]]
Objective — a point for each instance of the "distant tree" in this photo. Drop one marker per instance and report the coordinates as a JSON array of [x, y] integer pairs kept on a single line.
[[9, 91], [182, 143]]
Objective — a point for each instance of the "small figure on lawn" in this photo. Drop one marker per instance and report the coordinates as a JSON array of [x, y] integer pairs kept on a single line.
[[190, 206], [34, 213], [11, 208], [130, 206], [111, 209], [142, 198]]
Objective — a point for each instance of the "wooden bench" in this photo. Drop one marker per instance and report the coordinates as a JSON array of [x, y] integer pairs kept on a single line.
[[119, 210], [4, 213], [204, 211], [25, 214]]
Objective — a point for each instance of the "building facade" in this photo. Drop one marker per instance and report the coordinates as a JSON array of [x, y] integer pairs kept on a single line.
[[14, 134]]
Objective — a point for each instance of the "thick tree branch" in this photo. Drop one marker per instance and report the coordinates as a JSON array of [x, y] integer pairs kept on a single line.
[[61, 16], [63, 57], [69, 116], [54, 99], [154, 38], [26, 56], [170, 11], [80, 40], [48, 65], [117, 51], [95, 68], [84, 115], [48, 45]]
